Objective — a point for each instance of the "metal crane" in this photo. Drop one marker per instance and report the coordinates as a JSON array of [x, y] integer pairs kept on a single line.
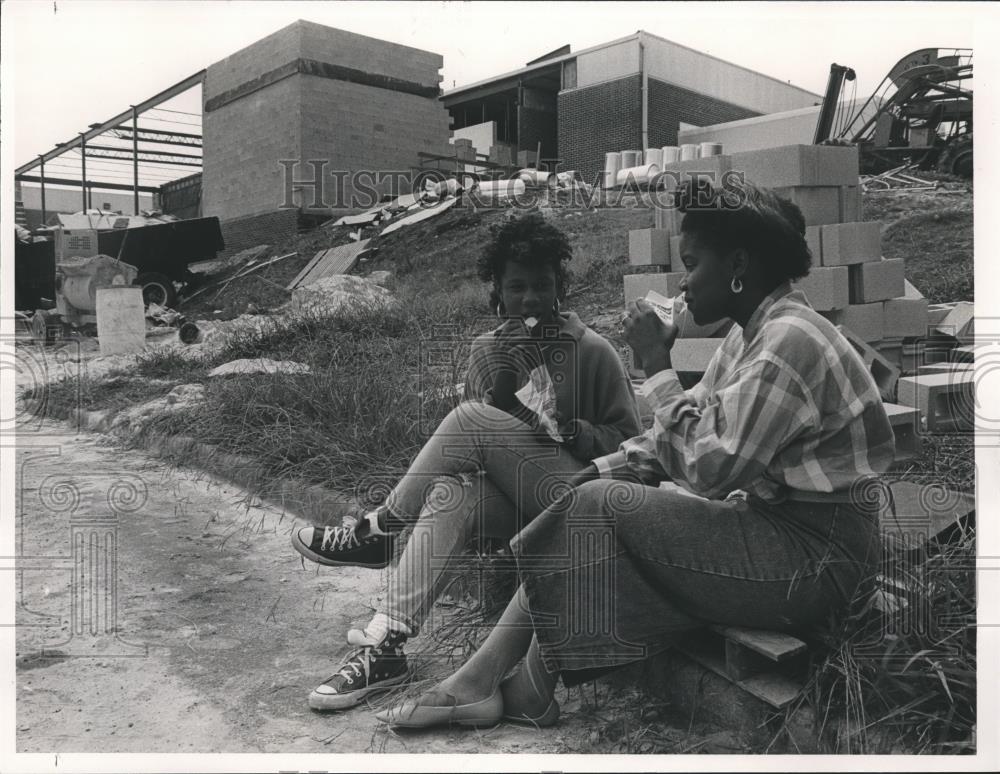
[[921, 113]]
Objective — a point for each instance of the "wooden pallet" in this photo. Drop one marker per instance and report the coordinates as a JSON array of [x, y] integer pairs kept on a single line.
[[768, 665]]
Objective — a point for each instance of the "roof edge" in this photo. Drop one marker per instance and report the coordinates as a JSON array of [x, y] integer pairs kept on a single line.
[[540, 65], [731, 64]]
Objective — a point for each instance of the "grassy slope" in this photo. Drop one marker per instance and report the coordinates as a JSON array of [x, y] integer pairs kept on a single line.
[[356, 420]]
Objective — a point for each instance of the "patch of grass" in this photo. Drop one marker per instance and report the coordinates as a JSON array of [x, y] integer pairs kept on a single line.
[[353, 423], [155, 374], [903, 678], [938, 254]]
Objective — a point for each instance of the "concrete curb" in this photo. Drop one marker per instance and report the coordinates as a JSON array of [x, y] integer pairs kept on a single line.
[[313, 503]]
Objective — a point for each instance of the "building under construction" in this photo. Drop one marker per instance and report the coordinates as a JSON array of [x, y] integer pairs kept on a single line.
[[289, 121]]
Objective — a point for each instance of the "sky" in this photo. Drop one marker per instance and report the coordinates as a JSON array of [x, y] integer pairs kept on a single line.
[[70, 63]]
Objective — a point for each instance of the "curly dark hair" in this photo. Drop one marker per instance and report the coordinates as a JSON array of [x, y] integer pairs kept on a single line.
[[528, 240], [739, 214]]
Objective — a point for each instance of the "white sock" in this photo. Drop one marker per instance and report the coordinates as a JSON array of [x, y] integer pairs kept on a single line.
[[372, 518], [380, 626]]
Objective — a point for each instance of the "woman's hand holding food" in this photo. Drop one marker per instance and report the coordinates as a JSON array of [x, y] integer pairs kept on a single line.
[[649, 336], [517, 351]]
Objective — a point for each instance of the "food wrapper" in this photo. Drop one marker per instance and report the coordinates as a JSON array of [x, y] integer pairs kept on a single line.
[[539, 395], [663, 306]]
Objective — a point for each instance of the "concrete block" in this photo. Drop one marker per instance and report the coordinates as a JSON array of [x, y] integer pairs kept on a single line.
[[965, 354], [946, 368], [876, 281], [825, 287], [668, 219], [946, 400], [849, 243], [649, 247], [865, 320], [909, 291], [891, 351], [814, 244], [664, 283], [905, 317], [676, 264], [959, 321], [885, 373], [850, 204], [819, 204], [693, 355], [799, 165], [905, 421], [937, 312]]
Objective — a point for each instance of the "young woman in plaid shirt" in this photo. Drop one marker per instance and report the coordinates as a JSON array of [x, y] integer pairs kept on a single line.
[[766, 519]]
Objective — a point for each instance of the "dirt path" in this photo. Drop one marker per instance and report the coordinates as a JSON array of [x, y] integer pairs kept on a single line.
[[221, 630]]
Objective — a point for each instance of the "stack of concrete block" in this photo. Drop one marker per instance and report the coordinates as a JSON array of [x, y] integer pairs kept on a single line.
[[501, 154], [894, 329], [464, 151], [526, 158]]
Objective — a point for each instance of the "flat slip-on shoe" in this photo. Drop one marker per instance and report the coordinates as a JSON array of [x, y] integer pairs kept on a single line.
[[547, 718], [410, 714]]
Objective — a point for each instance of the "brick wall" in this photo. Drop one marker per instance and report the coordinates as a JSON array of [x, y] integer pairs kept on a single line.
[[256, 59], [597, 120], [358, 127], [328, 44], [242, 144], [307, 115], [669, 105], [270, 228]]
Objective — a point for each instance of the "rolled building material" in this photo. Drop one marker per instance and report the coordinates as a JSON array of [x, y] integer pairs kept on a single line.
[[671, 154], [707, 149], [501, 189], [631, 158], [653, 156], [640, 174], [689, 151], [537, 177], [612, 163]]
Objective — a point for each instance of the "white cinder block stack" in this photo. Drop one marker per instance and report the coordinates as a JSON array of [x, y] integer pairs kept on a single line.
[[850, 283]]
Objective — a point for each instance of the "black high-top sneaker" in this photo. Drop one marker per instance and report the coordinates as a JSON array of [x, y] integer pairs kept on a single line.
[[344, 545], [366, 671]]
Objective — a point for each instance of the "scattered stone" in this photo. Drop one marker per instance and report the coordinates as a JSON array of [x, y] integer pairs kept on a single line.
[[186, 393], [338, 293], [259, 366]]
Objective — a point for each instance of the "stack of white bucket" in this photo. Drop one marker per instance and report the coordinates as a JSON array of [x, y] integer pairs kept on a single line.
[[636, 166]]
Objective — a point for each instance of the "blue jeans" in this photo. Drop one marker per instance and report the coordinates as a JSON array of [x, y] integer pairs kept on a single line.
[[481, 472], [616, 572]]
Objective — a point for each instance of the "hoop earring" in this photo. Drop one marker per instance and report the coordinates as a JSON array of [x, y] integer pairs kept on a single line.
[[736, 285], [555, 307], [500, 310]]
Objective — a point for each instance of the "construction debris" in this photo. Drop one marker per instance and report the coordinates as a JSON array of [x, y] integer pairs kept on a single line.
[[897, 179], [251, 267], [423, 214], [259, 366], [326, 263], [217, 265], [364, 219], [338, 293]]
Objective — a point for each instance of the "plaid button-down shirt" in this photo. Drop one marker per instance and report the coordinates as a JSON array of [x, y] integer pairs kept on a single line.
[[786, 407]]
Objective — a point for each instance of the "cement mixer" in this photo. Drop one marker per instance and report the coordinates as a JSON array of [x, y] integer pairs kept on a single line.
[[76, 284]]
